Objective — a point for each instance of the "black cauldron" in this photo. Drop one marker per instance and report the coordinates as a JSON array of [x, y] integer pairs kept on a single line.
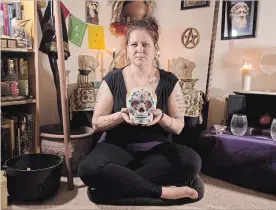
[[33, 177]]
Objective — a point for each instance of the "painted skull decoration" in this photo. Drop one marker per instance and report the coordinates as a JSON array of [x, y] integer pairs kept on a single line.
[[141, 102]]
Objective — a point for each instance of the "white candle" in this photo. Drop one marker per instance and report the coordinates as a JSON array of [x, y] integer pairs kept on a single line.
[[169, 64], [113, 52], [246, 77], [246, 82], [102, 69]]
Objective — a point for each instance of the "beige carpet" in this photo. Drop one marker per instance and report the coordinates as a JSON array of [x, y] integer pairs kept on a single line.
[[219, 195]]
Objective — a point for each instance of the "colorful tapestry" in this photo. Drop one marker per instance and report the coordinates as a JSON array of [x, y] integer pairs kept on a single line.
[[96, 37], [76, 30]]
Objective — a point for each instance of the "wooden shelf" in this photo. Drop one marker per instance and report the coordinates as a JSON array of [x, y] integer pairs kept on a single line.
[[16, 50], [28, 106], [11, 1], [12, 103], [256, 92]]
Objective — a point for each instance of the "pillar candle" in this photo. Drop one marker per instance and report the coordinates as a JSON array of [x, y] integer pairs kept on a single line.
[[169, 65], [102, 70], [246, 78], [113, 52]]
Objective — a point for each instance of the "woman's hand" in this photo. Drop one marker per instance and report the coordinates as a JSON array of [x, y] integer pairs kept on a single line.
[[157, 114], [125, 116]]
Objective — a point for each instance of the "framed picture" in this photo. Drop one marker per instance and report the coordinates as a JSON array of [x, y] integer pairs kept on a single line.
[[92, 12], [239, 19], [192, 4]]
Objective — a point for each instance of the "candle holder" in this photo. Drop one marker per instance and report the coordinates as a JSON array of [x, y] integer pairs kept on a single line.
[[246, 75]]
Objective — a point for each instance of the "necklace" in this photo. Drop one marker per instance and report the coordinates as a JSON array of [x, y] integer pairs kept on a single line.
[[137, 82]]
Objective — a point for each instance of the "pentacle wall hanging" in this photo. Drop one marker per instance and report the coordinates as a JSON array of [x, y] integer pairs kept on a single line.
[[190, 38]]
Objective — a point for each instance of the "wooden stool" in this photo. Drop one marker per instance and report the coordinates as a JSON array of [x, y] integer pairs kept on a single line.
[[4, 191]]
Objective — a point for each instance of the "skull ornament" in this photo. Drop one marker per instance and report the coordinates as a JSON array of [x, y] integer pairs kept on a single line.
[[141, 102]]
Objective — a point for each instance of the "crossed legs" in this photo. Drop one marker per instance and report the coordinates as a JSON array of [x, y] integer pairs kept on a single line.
[[118, 173]]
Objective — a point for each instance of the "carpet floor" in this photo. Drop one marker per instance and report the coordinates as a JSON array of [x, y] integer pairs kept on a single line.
[[218, 195]]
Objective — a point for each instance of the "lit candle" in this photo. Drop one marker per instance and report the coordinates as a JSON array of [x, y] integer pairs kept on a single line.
[[113, 52], [169, 65], [158, 54], [246, 78], [102, 70]]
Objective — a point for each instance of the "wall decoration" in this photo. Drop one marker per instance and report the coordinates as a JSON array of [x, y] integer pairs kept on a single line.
[[92, 12], [192, 4], [182, 68], [96, 37], [190, 38], [239, 19], [76, 30], [124, 11]]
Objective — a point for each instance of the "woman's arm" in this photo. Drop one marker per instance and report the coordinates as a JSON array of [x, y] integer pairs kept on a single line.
[[175, 121], [102, 118]]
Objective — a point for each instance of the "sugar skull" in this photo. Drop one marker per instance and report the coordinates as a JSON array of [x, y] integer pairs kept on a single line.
[[141, 102]]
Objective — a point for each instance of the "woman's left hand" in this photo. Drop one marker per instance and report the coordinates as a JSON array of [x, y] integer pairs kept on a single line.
[[157, 114]]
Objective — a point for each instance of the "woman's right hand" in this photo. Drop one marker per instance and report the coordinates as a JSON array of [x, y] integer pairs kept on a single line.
[[125, 116]]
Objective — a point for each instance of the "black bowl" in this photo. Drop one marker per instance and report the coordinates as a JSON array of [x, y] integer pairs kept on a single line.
[[33, 176], [84, 72]]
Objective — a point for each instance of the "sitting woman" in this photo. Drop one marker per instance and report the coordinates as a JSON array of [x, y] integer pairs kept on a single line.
[[135, 160]]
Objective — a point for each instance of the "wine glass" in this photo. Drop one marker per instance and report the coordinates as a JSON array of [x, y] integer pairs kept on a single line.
[[268, 65], [238, 124], [273, 129]]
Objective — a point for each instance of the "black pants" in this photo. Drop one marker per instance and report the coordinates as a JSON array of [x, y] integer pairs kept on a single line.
[[117, 173]]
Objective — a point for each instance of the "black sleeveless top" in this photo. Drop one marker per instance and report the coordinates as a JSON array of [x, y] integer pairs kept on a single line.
[[125, 134]]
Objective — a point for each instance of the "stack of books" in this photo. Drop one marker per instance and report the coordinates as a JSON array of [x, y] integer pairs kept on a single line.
[[22, 133], [8, 11]]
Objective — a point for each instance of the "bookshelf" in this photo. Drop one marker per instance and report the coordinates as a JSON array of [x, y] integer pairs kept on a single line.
[[28, 105], [19, 102], [16, 50]]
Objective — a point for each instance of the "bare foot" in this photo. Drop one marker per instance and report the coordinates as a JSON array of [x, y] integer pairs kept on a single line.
[[178, 192]]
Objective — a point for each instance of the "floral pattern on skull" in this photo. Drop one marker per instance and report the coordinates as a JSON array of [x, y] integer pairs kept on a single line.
[[141, 102]]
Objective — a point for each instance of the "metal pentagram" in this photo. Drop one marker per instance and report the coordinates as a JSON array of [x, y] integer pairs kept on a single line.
[[190, 38]]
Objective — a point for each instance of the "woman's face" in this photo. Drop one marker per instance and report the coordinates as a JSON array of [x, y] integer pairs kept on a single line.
[[140, 49]]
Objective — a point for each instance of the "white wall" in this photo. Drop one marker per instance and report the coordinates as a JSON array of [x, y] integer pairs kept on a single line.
[[226, 76]]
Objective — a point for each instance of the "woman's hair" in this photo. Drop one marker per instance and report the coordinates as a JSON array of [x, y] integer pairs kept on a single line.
[[148, 24]]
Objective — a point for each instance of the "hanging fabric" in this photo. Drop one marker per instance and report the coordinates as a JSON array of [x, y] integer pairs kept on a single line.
[[48, 43]]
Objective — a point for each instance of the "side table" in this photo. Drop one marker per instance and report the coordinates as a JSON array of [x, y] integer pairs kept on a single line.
[[248, 161]]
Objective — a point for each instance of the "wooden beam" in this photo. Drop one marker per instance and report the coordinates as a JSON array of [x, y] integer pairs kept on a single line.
[[64, 98]]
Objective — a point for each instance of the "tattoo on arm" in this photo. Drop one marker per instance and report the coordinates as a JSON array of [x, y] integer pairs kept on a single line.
[[99, 93], [180, 102], [169, 128], [95, 122]]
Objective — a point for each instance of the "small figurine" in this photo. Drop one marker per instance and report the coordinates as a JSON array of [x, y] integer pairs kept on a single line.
[[141, 102], [124, 11], [21, 35], [89, 63], [183, 68]]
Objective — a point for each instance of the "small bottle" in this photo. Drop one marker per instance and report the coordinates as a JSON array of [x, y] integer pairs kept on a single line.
[[11, 75]]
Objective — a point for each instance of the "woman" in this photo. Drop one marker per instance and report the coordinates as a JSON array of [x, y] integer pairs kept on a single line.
[[138, 160]]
